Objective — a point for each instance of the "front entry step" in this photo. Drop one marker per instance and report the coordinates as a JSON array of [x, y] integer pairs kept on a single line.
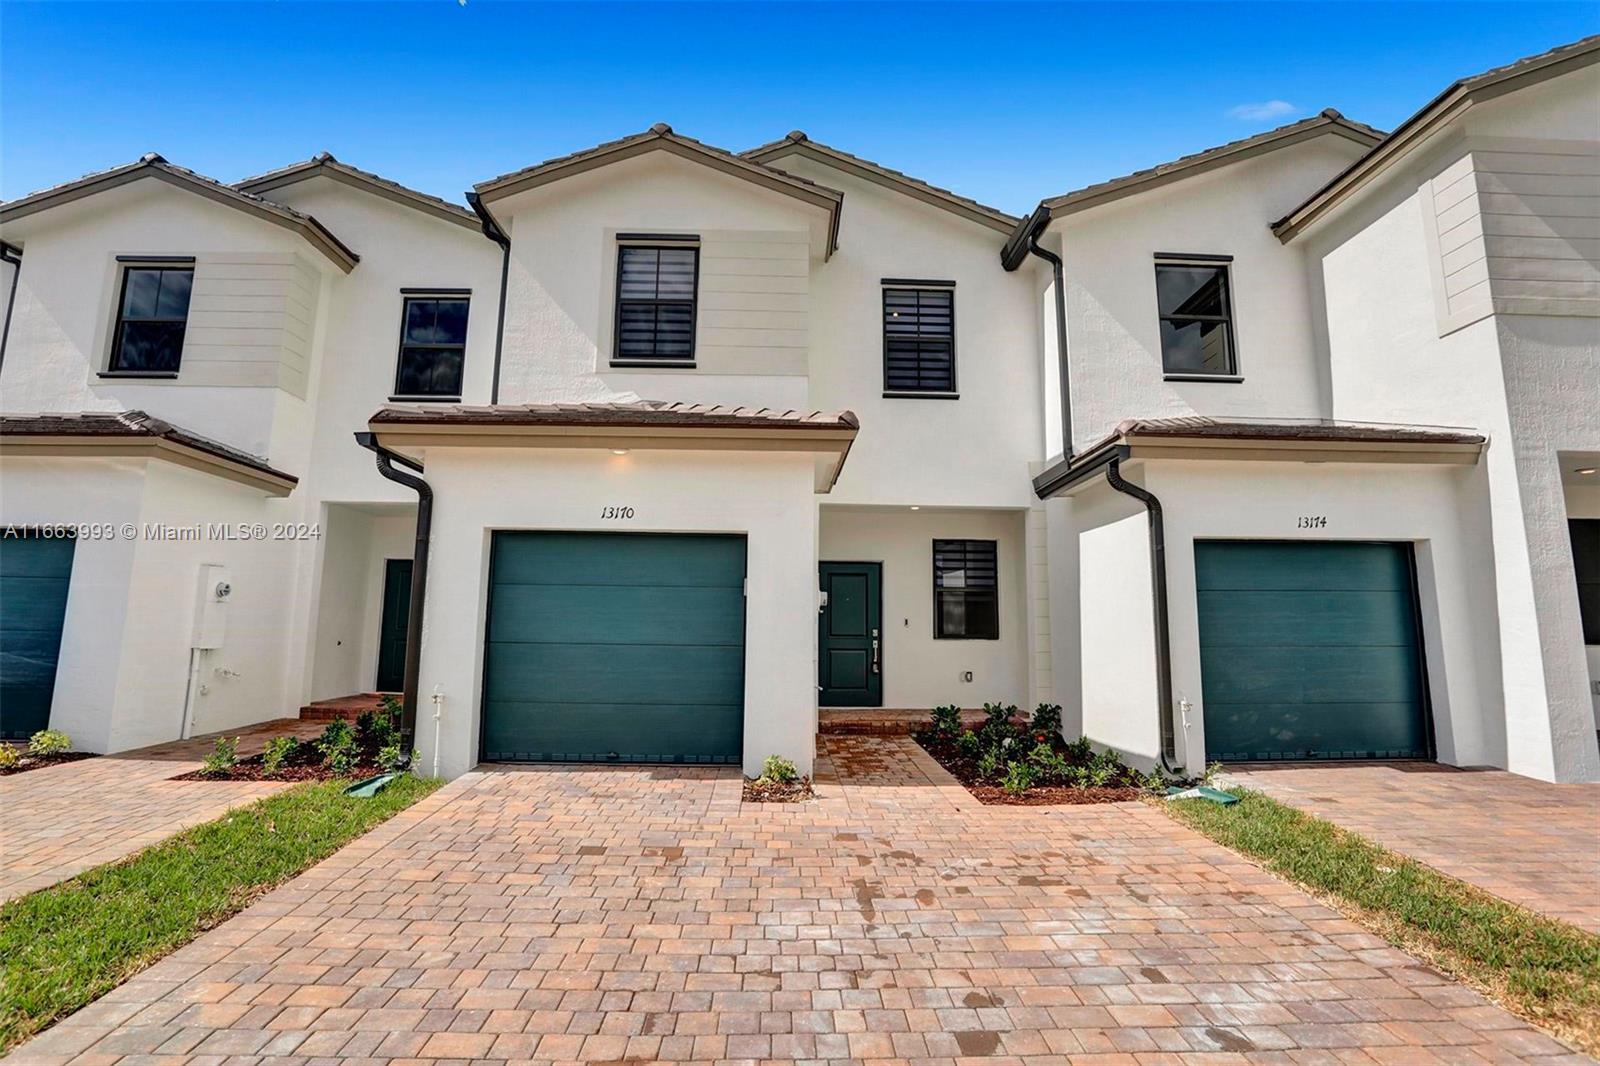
[[883, 721], [343, 706]]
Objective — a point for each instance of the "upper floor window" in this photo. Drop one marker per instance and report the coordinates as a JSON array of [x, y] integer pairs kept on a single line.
[[433, 346], [1196, 311], [919, 337], [966, 594], [152, 313], [656, 289]]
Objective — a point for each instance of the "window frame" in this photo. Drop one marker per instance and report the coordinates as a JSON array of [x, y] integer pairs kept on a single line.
[[126, 265], [1587, 627], [918, 285], [406, 296], [1223, 263], [938, 614], [658, 242]]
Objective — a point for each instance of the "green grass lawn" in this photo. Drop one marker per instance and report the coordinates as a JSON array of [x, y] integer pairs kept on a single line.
[[64, 946], [1546, 971]]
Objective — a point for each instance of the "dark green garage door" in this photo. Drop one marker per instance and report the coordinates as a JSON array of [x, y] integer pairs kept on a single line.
[[615, 647], [1310, 651], [34, 573]]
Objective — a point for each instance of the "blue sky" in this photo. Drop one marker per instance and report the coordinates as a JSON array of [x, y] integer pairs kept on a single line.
[[1003, 102]]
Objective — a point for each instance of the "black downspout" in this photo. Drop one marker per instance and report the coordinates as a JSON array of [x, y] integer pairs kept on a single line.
[[1158, 583], [419, 578], [13, 255], [492, 230], [1061, 340]]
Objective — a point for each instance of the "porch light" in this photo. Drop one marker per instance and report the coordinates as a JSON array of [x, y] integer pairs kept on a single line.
[[1586, 470], [619, 451], [916, 507]]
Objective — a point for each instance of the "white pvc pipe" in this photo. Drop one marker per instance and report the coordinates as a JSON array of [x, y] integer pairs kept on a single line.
[[438, 712], [189, 694]]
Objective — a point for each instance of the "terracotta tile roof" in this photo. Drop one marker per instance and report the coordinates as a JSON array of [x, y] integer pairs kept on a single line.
[[1290, 429], [324, 163], [797, 142], [136, 424], [644, 414]]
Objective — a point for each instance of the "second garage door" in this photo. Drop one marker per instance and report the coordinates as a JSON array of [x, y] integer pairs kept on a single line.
[[1310, 650], [34, 574], [607, 647]]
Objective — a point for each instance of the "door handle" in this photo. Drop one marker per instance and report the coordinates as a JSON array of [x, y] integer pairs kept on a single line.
[[874, 651]]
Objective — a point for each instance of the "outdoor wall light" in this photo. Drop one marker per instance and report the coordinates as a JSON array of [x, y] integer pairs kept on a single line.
[[619, 451], [1586, 470]]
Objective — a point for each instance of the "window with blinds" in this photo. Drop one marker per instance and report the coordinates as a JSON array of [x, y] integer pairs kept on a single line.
[[919, 339], [966, 593], [656, 288]]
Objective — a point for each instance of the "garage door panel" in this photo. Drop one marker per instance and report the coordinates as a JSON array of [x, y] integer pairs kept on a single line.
[[1280, 565], [1385, 674], [635, 733], [582, 673], [35, 573], [1261, 731], [34, 604], [598, 559], [615, 614], [1302, 619]]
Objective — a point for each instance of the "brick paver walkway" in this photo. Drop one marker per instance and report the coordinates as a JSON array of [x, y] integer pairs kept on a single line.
[[62, 820], [643, 914], [1531, 842]]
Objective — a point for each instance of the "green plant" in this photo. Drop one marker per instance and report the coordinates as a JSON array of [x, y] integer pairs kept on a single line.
[[1049, 766], [337, 745], [366, 726], [946, 721], [968, 745], [392, 759], [223, 755], [777, 768], [998, 715], [1047, 719], [1210, 776], [989, 764], [49, 742], [277, 751], [1080, 750], [9, 756], [1018, 778]]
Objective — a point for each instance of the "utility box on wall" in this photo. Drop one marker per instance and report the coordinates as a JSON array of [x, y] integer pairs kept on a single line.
[[211, 606]]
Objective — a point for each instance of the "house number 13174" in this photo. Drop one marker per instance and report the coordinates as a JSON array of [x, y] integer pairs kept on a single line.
[[1312, 521], [616, 512]]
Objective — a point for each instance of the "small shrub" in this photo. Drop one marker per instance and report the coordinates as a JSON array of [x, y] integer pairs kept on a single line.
[[777, 768], [1080, 750], [946, 721], [968, 745], [1047, 719], [277, 751], [393, 760], [341, 760], [989, 764], [9, 756], [1018, 779], [366, 726], [998, 715], [49, 742], [1210, 776], [223, 755], [337, 745], [1154, 781]]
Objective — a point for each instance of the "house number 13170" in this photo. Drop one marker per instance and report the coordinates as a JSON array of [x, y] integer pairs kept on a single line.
[[1312, 521], [616, 512]]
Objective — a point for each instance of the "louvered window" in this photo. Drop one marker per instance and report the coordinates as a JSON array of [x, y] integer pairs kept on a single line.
[[655, 302], [919, 339], [966, 595]]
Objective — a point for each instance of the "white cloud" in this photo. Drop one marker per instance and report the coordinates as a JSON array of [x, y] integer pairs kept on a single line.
[[1267, 109]]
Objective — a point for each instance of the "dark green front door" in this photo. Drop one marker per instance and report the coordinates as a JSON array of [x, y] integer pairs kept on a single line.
[[615, 647], [34, 574], [1310, 650], [850, 635], [392, 630]]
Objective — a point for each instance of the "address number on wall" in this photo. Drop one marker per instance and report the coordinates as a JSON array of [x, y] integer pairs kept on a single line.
[[1312, 521], [616, 512]]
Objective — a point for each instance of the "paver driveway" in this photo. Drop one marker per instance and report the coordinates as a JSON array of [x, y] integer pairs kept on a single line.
[[60, 821], [1530, 842], [636, 914]]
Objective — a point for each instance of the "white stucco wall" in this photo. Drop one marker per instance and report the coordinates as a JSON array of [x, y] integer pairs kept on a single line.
[[765, 496], [920, 670]]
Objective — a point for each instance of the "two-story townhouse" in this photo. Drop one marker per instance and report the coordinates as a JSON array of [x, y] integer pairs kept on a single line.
[[674, 448]]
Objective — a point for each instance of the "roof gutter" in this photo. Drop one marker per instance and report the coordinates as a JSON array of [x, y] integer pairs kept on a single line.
[[492, 230], [13, 255], [419, 576]]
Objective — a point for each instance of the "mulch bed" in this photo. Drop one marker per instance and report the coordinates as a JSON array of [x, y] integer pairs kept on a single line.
[[303, 764], [965, 770], [762, 791], [39, 762]]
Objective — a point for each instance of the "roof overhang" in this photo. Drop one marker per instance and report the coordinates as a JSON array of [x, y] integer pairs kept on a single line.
[[1206, 440], [661, 138], [326, 166], [102, 446], [154, 167], [1415, 131], [411, 433]]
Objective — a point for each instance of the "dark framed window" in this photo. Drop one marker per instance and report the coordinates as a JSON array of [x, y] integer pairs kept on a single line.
[[966, 594], [1196, 308], [1586, 562], [433, 347], [656, 290], [919, 338], [152, 313]]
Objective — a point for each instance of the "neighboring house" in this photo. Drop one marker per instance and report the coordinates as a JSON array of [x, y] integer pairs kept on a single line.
[[678, 445]]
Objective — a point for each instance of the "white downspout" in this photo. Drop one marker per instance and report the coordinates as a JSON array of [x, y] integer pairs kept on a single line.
[[438, 712], [189, 694]]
